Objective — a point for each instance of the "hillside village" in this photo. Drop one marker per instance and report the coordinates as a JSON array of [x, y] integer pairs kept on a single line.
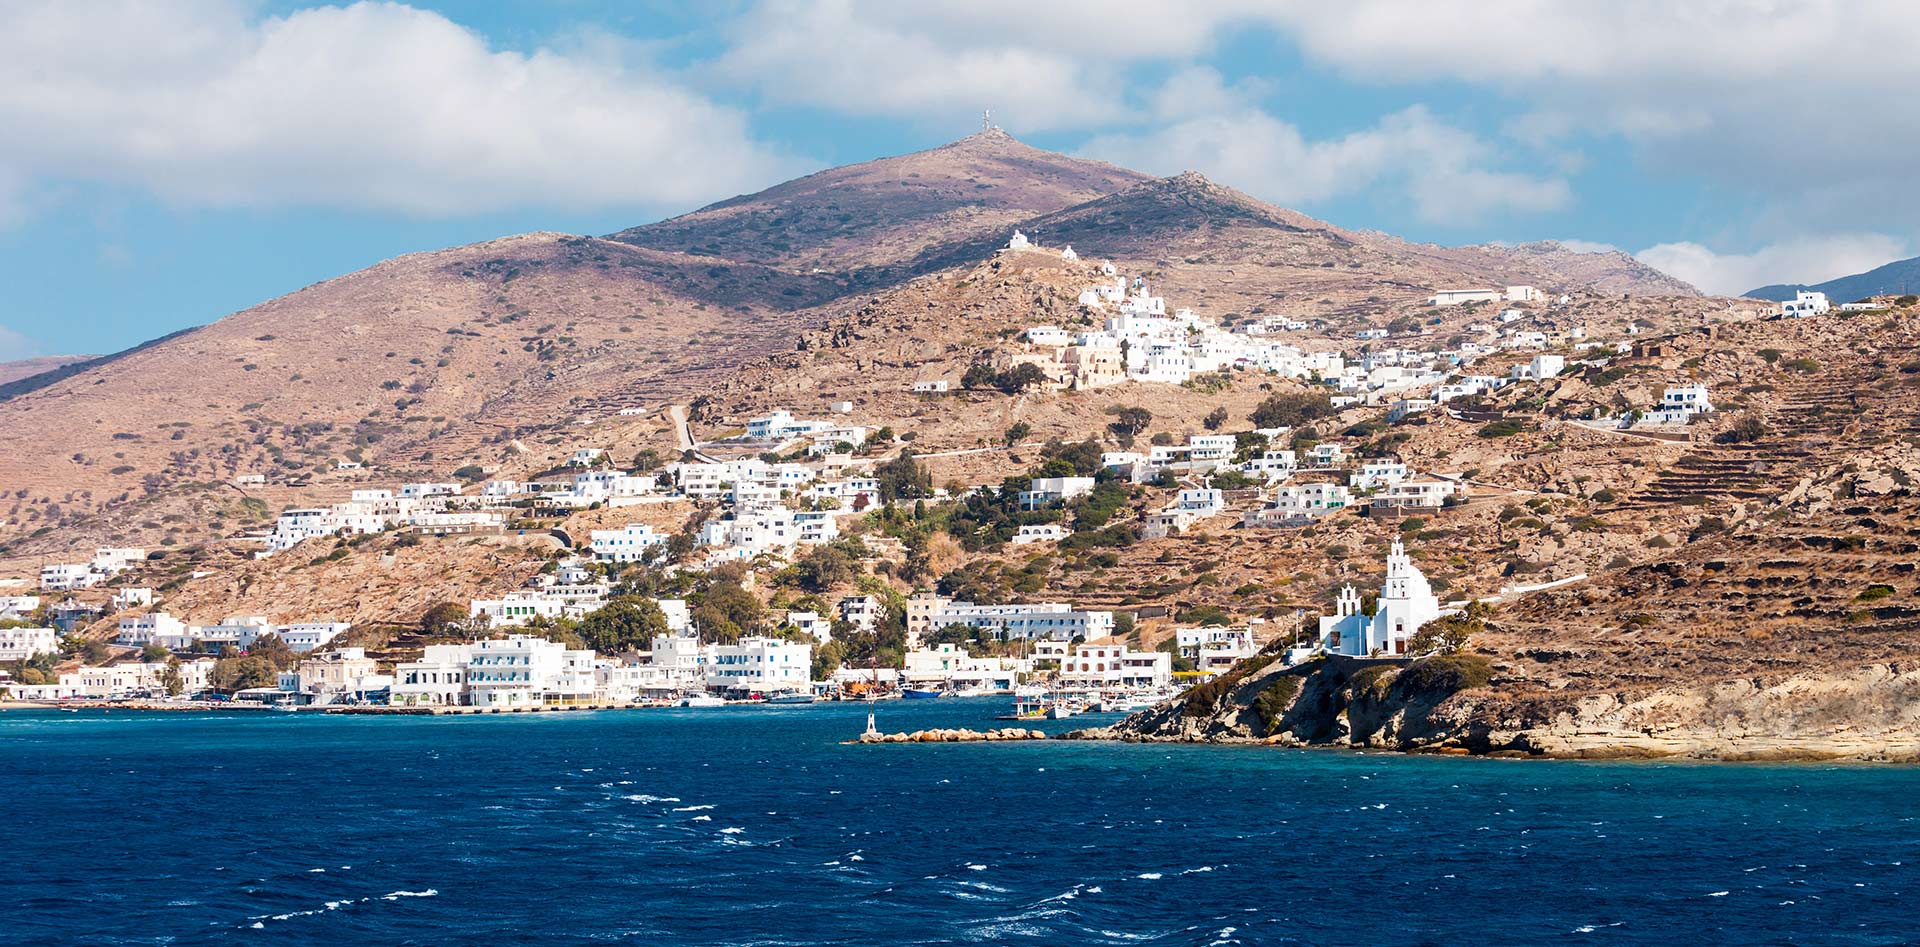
[[1028, 471]]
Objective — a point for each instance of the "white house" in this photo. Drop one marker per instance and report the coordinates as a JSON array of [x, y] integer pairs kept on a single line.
[[22, 644], [308, 635], [1116, 667], [132, 598], [1039, 533], [138, 631], [812, 623], [930, 386], [1806, 303], [1524, 294], [1049, 336], [1406, 602], [67, 576], [1299, 504], [1406, 407], [629, 543], [1679, 405], [1455, 297], [1541, 368], [1380, 472], [1046, 491], [438, 679], [524, 671], [760, 666], [1201, 502]]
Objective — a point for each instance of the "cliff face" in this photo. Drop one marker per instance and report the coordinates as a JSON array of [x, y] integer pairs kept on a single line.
[[1870, 712]]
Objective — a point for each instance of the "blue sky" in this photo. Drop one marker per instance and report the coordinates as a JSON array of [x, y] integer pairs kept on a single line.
[[165, 165]]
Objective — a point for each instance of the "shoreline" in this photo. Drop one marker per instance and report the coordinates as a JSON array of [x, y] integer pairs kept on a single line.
[[1595, 747]]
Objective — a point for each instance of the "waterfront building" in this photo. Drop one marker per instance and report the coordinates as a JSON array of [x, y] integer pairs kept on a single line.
[[760, 666]]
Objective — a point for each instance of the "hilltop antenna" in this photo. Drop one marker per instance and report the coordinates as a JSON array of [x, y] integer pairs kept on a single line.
[[986, 120]]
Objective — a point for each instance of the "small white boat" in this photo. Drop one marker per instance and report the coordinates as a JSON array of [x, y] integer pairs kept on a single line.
[[790, 697], [701, 700]]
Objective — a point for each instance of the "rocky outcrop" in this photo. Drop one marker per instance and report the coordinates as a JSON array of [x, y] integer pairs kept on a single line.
[[1870, 712]]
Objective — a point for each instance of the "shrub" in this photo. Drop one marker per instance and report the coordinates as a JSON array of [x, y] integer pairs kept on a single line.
[[1446, 674], [1273, 700], [1506, 427], [1875, 592]]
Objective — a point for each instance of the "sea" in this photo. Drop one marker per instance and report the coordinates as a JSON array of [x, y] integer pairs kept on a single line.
[[759, 826]]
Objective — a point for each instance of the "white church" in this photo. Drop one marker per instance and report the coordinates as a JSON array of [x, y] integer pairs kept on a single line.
[[1406, 602]]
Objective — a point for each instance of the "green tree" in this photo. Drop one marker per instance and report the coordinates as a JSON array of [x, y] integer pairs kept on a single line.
[[443, 619], [154, 652], [272, 648], [1214, 419], [171, 679], [824, 567], [1018, 432], [236, 674], [1020, 377], [903, 478], [1290, 409], [725, 612], [1129, 421], [626, 623]]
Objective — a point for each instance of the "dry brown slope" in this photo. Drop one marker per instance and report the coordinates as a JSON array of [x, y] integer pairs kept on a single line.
[[420, 364], [868, 223]]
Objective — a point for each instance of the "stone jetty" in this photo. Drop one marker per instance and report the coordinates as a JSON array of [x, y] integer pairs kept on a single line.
[[954, 736]]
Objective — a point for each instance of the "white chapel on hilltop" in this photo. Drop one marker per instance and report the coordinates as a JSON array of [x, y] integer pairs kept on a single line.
[[1019, 241], [1406, 602]]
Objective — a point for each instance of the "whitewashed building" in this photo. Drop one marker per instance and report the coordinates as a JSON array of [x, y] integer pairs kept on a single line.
[[1406, 602]]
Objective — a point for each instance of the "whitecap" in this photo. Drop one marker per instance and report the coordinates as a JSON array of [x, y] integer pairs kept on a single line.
[[1149, 876], [316, 871], [702, 818], [1195, 871], [976, 868], [646, 799], [732, 830], [1094, 890], [1716, 894], [690, 808], [856, 858], [397, 895], [256, 925]]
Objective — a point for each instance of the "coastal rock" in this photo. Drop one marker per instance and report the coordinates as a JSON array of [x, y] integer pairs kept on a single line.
[[1870, 712]]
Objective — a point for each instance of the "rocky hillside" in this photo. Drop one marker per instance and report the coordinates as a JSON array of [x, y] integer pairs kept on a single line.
[[871, 224]]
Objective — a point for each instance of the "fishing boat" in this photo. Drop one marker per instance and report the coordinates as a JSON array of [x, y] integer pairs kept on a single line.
[[921, 693], [790, 697]]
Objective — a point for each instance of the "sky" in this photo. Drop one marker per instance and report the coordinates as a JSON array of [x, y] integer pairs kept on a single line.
[[165, 164]]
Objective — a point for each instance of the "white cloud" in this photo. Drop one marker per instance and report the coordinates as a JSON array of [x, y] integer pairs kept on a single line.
[[373, 106], [942, 63], [1587, 246], [14, 346], [1439, 168], [1813, 259], [1724, 89]]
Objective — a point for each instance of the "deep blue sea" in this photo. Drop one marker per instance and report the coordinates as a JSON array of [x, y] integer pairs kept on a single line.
[[755, 826]]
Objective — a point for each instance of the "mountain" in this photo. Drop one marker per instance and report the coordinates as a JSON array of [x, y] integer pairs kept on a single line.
[[867, 224], [29, 367], [487, 355], [1898, 278]]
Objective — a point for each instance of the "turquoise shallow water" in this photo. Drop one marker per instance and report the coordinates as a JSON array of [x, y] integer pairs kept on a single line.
[[754, 826]]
